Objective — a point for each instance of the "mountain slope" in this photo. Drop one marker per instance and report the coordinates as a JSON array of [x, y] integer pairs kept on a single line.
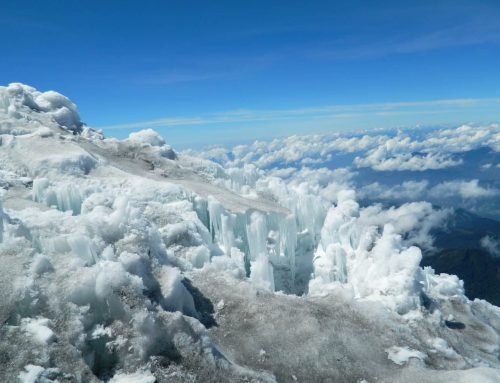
[[124, 261]]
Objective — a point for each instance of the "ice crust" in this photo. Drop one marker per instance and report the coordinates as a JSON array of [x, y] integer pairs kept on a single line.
[[107, 232]]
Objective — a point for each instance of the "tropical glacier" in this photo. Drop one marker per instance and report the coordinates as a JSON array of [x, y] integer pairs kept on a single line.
[[128, 261]]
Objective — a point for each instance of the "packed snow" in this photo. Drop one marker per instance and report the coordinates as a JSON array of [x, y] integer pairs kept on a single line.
[[126, 261]]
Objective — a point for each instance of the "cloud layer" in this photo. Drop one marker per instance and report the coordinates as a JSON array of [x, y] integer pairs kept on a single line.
[[446, 166]]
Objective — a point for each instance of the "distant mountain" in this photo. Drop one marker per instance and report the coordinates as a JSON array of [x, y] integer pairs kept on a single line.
[[459, 252], [464, 230]]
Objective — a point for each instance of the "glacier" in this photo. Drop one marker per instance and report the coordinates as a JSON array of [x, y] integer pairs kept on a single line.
[[127, 261]]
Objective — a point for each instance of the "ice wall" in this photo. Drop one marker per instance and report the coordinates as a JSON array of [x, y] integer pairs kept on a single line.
[[267, 240], [323, 245], [2, 218], [369, 260], [65, 196], [317, 247], [7, 229]]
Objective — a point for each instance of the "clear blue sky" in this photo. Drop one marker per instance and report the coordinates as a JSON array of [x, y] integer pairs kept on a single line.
[[204, 72]]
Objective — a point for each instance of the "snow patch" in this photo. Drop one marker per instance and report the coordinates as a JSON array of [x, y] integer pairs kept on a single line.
[[39, 329], [136, 377], [401, 355]]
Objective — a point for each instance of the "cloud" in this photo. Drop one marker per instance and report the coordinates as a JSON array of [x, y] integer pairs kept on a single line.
[[465, 138], [414, 220], [420, 190], [406, 151], [307, 114], [436, 151], [178, 77], [378, 160], [402, 153], [481, 30], [408, 190], [205, 69], [491, 245], [463, 189]]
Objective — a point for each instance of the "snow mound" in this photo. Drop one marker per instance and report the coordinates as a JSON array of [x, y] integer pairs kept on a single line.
[[18, 101], [147, 136], [150, 138]]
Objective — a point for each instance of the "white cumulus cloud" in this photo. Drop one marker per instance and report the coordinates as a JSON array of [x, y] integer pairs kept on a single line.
[[463, 189]]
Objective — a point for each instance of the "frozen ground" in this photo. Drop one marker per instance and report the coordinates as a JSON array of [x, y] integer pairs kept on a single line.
[[333, 339], [124, 261]]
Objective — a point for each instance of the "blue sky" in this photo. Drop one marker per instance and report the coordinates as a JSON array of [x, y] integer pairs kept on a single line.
[[205, 72]]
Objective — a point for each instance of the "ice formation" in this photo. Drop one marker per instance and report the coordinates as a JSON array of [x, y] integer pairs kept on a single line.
[[110, 249]]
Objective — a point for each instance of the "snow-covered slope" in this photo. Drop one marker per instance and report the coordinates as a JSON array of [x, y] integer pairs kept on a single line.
[[125, 261]]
